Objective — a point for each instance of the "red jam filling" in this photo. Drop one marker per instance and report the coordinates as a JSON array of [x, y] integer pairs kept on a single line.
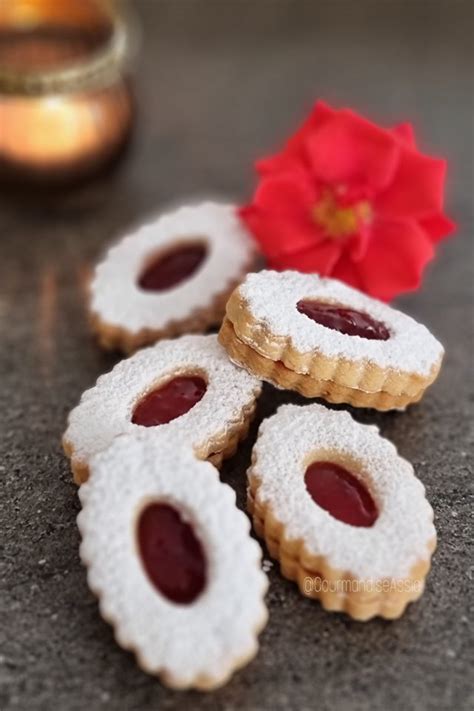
[[169, 401], [173, 267], [340, 493], [171, 553], [345, 320]]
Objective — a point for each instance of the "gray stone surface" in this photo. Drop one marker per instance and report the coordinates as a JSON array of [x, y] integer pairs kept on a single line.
[[217, 84]]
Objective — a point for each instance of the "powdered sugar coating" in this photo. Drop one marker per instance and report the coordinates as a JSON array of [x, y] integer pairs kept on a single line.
[[105, 411], [403, 532], [193, 644], [271, 297], [118, 300]]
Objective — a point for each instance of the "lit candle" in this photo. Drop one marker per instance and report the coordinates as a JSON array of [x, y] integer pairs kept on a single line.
[[64, 105], [56, 131]]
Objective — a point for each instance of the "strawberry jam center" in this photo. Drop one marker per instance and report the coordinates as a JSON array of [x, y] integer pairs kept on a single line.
[[169, 401], [171, 553], [340, 493], [345, 320], [173, 267]]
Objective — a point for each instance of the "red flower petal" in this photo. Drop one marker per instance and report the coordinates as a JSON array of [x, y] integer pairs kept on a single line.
[[417, 188], [405, 132], [345, 270], [294, 147], [319, 259], [278, 236], [437, 227], [356, 246], [349, 149], [280, 216], [395, 259], [286, 195]]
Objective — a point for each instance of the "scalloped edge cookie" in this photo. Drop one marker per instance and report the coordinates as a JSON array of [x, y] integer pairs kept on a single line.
[[364, 572], [264, 333], [212, 428], [196, 645], [123, 316]]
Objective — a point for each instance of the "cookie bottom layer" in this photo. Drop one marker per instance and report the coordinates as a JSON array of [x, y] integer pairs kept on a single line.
[[276, 373], [337, 591], [222, 446]]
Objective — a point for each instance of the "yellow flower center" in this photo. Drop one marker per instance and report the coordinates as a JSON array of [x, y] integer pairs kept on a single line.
[[337, 220]]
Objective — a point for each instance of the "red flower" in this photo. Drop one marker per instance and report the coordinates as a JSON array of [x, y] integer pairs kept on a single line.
[[349, 199]]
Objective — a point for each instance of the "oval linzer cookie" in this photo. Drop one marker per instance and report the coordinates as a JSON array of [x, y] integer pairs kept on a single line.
[[324, 339], [170, 277], [186, 388], [171, 559], [342, 512]]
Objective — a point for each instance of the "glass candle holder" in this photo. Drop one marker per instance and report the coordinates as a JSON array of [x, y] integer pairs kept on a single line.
[[65, 102]]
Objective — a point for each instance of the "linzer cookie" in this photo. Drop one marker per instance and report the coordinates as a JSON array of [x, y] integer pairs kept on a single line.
[[342, 512], [170, 277], [325, 339], [186, 388], [171, 560]]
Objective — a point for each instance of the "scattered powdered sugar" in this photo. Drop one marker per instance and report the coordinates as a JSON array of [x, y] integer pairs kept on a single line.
[[106, 410], [115, 294], [208, 637], [400, 537], [272, 297]]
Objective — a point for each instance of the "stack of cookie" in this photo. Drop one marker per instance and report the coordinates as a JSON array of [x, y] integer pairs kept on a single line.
[[325, 339], [168, 553]]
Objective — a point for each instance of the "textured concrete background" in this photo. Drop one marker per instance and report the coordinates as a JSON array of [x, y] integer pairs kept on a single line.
[[218, 82]]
